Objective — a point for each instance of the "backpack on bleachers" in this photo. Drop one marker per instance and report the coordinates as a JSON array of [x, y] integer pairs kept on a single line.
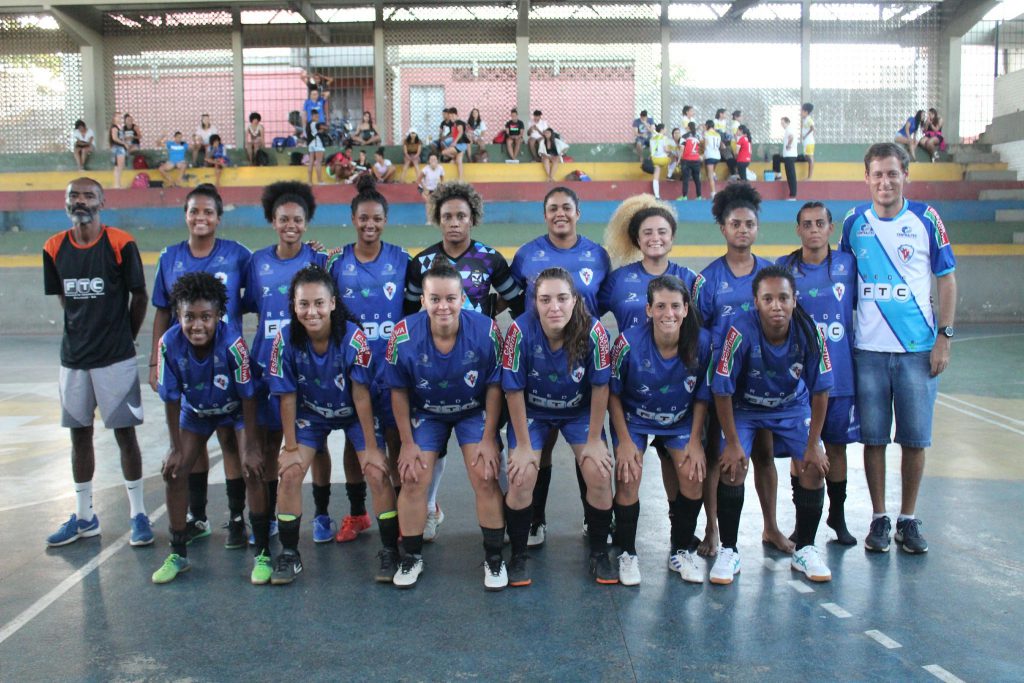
[[261, 158], [140, 180], [139, 162]]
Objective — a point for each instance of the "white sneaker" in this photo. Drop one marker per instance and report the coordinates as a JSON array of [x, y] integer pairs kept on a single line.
[[629, 570], [808, 561], [537, 536], [434, 519], [685, 562], [495, 574], [727, 565], [408, 571]]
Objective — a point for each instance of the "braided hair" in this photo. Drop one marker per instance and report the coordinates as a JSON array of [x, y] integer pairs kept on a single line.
[[801, 320]]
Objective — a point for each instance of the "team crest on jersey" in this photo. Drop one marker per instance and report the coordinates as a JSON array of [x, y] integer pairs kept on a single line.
[[905, 252], [339, 381], [795, 370], [690, 383], [399, 334], [221, 382], [602, 347], [241, 353], [222, 276], [577, 374], [511, 351], [470, 378], [587, 275], [362, 349], [729, 348], [839, 289], [389, 290]]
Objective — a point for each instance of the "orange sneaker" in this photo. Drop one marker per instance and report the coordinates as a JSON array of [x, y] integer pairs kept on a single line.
[[351, 526]]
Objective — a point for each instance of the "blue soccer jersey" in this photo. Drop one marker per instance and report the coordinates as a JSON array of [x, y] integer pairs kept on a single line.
[[267, 280], [657, 393], [208, 387], [720, 296], [480, 267], [322, 383], [586, 261], [896, 258], [624, 292], [762, 377], [552, 389], [373, 291], [827, 292], [227, 262], [451, 384]]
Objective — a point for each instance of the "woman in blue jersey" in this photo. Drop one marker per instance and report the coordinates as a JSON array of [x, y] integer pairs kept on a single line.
[[227, 260], [320, 369], [443, 367], [204, 378], [721, 292], [911, 132], [555, 373], [774, 374], [826, 283], [659, 390], [370, 275]]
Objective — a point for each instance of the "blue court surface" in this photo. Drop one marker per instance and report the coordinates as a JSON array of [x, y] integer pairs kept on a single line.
[[88, 611]]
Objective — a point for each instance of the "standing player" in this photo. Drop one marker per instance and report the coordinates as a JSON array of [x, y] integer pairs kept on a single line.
[[92, 268], [902, 345], [226, 260], [444, 372], [556, 369], [773, 373], [826, 289], [807, 136]]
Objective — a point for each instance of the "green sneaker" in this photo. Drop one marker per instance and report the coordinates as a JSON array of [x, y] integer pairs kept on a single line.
[[261, 570], [174, 564]]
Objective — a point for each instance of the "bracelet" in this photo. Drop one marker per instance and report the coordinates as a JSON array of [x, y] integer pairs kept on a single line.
[[152, 365]]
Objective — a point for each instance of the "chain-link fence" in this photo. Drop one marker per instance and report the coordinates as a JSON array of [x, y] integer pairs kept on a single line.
[[989, 50]]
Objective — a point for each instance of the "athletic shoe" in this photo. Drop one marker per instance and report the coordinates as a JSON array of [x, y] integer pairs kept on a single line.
[[908, 532], [435, 518], [685, 563], [388, 565], [629, 569], [611, 532], [142, 530], [273, 532], [538, 532], [495, 573], [682, 198], [196, 529], [808, 561], [174, 564], [878, 535], [261, 570], [323, 529], [74, 529], [287, 566], [409, 570], [727, 565], [236, 534], [602, 570], [351, 526], [518, 571]]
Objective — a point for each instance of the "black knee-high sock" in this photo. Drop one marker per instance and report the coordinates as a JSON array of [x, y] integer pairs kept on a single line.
[[387, 523], [684, 521], [494, 540], [794, 482], [179, 542], [518, 524], [836, 500], [321, 498], [582, 484], [730, 506], [272, 498], [599, 522], [356, 498], [197, 494], [808, 514], [540, 495], [260, 533], [236, 497], [626, 518], [413, 545], [289, 532]]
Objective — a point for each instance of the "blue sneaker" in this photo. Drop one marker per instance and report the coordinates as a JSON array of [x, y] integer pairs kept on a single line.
[[273, 532], [323, 529], [142, 531], [74, 529]]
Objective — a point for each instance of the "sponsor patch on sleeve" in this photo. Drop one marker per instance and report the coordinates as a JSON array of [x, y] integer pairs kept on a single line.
[[729, 349]]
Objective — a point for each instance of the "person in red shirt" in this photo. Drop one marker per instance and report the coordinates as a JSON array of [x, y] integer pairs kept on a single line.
[[690, 160], [743, 145]]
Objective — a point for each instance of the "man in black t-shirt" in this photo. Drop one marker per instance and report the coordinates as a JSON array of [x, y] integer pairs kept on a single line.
[[94, 270], [456, 149], [514, 128]]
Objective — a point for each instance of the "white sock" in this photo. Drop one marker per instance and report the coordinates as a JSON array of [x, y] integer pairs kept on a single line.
[[83, 492], [435, 484], [903, 517], [657, 189], [877, 515], [135, 498]]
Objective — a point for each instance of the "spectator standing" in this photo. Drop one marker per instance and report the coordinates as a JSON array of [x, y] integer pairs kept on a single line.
[[788, 157], [691, 161], [430, 177], [132, 135], [317, 141], [253, 136], [83, 143], [536, 134], [674, 147], [314, 103], [712, 154], [118, 152], [514, 128], [643, 130], [743, 152], [411, 149], [732, 131], [176, 149], [201, 138], [659, 156], [807, 136]]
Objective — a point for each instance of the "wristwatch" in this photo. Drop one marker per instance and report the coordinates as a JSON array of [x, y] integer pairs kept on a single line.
[[947, 331]]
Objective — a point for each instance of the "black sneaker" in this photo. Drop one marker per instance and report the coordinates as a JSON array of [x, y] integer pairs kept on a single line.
[[602, 569], [196, 529], [238, 536], [518, 571], [287, 566], [878, 536], [908, 533], [388, 565]]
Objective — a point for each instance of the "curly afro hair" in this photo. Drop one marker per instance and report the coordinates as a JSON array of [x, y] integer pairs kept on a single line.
[[288, 192], [456, 190]]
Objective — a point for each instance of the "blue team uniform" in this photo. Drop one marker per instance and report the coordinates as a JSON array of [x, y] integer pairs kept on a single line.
[[771, 385], [447, 390], [322, 384], [586, 261], [827, 292], [211, 389], [556, 397], [624, 292], [227, 262], [267, 280], [720, 296], [657, 394]]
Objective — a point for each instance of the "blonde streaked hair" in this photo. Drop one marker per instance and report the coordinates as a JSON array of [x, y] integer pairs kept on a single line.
[[618, 240]]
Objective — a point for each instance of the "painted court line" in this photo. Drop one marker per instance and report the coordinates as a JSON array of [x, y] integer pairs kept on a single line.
[[67, 584], [942, 674], [835, 610], [980, 417], [882, 639], [800, 586], [975, 406]]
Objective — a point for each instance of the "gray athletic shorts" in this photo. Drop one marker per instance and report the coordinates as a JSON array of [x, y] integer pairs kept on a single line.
[[114, 388]]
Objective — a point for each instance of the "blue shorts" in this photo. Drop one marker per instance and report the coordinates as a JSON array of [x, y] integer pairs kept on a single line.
[[432, 433], [205, 426], [573, 429], [461, 146], [899, 383], [268, 406], [789, 434], [314, 434], [842, 421], [661, 442], [381, 396], [118, 152]]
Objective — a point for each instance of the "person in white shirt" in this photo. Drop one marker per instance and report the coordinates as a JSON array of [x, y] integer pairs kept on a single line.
[[788, 157], [201, 138], [712, 148], [807, 136], [536, 133], [430, 177], [83, 143]]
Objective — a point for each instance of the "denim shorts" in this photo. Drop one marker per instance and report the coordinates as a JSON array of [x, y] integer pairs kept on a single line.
[[900, 383]]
